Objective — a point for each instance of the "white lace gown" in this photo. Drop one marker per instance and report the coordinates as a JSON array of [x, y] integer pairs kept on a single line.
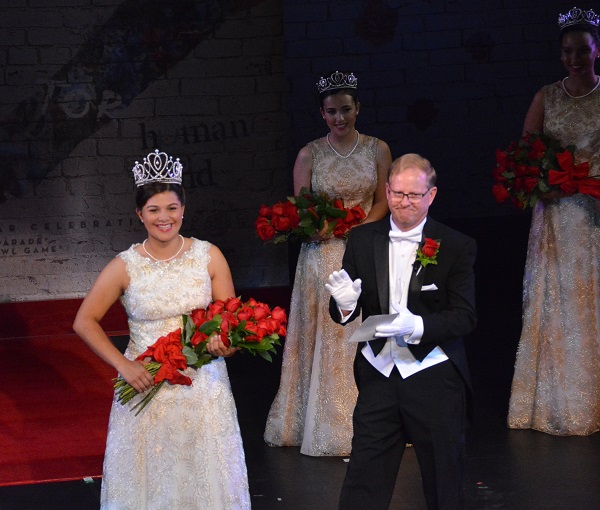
[[184, 450], [317, 394], [556, 385]]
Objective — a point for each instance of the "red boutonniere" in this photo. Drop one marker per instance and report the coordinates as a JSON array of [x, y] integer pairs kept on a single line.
[[427, 254]]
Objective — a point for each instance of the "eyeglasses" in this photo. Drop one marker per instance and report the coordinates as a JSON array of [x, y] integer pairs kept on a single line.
[[412, 197]]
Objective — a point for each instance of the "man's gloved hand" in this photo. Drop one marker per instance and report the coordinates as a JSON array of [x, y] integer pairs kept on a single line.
[[403, 324], [343, 289]]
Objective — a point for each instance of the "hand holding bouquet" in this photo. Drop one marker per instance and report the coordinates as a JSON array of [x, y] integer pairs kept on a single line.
[[305, 216], [537, 166], [251, 326]]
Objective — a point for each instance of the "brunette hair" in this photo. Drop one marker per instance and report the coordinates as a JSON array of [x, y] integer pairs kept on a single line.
[[582, 27], [147, 191]]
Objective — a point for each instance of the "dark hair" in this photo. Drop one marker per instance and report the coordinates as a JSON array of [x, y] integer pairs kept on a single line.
[[351, 92], [147, 191], [582, 27]]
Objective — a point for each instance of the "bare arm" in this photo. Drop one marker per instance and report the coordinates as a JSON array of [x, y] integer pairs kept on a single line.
[[534, 120], [302, 170], [110, 284], [380, 205], [222, 288]]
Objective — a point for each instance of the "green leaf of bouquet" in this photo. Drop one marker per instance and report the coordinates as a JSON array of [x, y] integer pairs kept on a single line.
[[190, 355], [210, 326], [334, 212], [306, 222]]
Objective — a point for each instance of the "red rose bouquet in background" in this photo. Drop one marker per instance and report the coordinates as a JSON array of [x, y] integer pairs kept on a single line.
[[251, 326], [305, 215], [537, 165]]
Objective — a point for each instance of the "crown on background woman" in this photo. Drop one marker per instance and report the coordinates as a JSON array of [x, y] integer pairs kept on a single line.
[[577, 16], [157, 167], [337, 80]]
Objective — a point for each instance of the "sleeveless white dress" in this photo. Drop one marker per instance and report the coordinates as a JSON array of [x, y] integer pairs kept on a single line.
[[556, 385], [317, 393], [184, 450]]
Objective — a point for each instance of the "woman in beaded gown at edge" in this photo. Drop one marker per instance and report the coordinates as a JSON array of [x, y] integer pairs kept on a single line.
[[316, 397], [556, 384], [184, 450]]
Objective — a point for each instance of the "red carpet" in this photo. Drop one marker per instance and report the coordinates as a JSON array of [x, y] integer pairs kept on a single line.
[[55, 400]]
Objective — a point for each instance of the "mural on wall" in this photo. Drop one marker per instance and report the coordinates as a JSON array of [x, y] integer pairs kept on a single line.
[[66, 193], [141, 41]]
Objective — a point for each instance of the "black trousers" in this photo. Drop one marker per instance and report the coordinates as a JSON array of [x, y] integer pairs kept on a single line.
[[427, 409]]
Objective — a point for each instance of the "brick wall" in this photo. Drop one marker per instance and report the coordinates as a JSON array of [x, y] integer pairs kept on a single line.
[[89, 86], [450, 79]]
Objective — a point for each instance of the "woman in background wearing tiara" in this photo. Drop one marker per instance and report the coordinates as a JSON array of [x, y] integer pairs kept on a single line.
[[184, 450], [556, 385], [314, 405]]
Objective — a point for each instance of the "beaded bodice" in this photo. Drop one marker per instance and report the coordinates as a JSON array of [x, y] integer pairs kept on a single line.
[[156, 299]]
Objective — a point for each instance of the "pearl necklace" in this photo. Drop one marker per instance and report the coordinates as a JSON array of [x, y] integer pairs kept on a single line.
[[578, 97], [350, 153], [164, 260]]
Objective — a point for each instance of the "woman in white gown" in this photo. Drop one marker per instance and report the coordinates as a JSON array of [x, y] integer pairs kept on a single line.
[[314, 405], [184, 450], [556, 385]]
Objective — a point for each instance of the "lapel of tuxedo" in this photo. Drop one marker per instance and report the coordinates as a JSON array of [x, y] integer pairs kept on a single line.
[[418, 272], [381, 256]]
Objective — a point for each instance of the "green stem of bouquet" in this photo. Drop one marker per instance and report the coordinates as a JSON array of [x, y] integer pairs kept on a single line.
[[126, 392]]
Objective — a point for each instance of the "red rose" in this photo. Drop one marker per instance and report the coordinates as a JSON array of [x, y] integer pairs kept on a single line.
[[279, 314], [246, 313], [198, 338], [233, 304], [282, 223], [529, 183], [215, 308], [253, 329], [264, 229], [264, 211], [340, 229], [430, 247], [500, 193], [261, 311], [199, 316]]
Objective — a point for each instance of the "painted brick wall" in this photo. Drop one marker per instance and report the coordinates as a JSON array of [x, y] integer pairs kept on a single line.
[[90, 86]]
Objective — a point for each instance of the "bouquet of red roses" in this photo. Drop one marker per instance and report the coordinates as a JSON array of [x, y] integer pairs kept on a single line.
[[251, 326], [305, 215], [536, 165]]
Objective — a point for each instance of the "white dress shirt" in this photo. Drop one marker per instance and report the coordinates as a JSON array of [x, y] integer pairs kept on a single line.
[[395, 352]]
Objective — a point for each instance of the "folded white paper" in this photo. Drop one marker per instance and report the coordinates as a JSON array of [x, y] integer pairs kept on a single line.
[[366, 330]]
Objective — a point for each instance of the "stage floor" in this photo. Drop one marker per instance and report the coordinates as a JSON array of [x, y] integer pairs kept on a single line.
[[507, 469]]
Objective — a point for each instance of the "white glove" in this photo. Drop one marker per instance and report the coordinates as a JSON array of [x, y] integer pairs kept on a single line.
[[343, 289], [403, 324]]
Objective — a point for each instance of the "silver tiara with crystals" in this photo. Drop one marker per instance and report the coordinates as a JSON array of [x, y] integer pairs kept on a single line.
[[157, 167], [337, 80], [577, 16]]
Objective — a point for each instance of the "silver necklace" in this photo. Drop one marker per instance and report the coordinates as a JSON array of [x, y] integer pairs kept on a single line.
[[350, 153], [578, 97], [163, 260]]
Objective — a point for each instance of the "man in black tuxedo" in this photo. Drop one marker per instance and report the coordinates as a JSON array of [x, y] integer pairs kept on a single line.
[[412, 379]]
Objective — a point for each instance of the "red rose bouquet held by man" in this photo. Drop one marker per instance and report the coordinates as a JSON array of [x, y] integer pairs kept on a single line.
[[251, 326], [305, 215], [536, 166]]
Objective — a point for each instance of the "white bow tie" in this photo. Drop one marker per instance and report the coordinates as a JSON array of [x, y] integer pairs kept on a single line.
[[397, 236]]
